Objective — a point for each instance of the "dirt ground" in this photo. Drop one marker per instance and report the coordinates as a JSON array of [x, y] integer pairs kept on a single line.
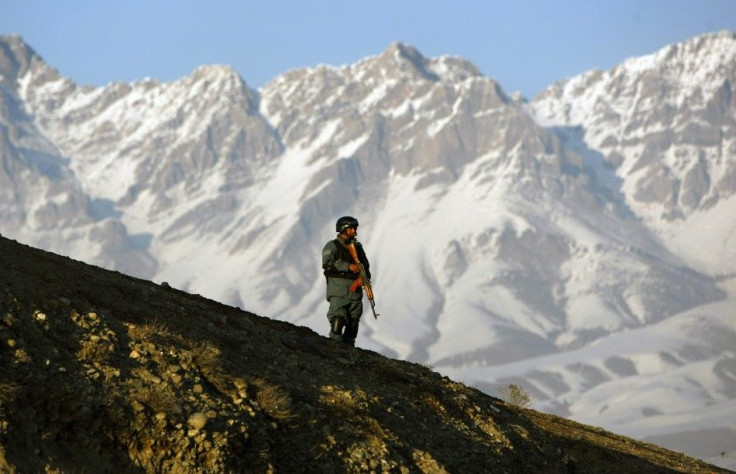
[[103, 372]]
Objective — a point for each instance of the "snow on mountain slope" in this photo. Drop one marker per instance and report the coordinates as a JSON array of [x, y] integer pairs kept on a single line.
[[663, 128], [42, 201], [486, 164], [666, 123], [674, 380], [502, 235]]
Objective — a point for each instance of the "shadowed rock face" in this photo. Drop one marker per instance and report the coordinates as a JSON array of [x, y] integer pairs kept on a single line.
[[103, 371], [670, 113]]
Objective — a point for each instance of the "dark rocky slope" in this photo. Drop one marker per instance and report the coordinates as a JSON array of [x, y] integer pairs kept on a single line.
[[103, 372]]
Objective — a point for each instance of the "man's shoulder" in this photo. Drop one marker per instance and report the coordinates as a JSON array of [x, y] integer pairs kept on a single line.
[[330, 244]]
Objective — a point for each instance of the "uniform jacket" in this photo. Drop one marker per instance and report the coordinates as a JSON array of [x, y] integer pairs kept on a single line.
[[335, 262]]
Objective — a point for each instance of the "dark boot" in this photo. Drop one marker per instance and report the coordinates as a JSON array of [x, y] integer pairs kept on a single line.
[[351, 332], [336, 327]]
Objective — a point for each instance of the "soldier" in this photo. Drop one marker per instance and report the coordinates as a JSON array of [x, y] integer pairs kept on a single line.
[[344, 295]]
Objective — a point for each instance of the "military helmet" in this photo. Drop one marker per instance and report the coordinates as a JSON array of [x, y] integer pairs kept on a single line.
[[345, 222]]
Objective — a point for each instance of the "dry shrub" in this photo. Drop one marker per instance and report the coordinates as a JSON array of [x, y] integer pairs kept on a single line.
[[433, 403], [347, 400], [273, 400], [146, 331], [95, 352], [159, 399], [515, 395], [207, 358], [8, 392]]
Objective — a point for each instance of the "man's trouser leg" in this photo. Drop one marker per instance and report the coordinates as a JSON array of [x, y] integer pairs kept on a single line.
[[344, 316], [351, 331], [337, 315], [355, 311], [336, 327]]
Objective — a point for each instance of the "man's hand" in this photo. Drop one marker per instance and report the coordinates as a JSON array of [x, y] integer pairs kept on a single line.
[[354, 268]]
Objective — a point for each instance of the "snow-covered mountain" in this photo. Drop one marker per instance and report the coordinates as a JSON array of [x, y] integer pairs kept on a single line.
[[665, 123], [581, 244]]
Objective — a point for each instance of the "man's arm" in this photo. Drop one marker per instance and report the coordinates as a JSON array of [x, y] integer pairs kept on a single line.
[[330, 262]]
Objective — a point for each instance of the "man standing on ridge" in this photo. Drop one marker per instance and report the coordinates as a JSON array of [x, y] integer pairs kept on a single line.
[[342, 273]]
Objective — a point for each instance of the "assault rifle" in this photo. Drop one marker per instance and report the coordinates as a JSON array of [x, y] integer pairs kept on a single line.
[[362, 280]]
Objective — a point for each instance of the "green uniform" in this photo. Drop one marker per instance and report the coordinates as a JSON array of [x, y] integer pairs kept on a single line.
[[345, 305]]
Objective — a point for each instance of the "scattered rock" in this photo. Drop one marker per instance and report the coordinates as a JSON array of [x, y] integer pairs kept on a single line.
[[197, 421]]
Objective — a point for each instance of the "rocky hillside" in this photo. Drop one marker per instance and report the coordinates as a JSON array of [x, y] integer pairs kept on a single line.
[[103, 371]]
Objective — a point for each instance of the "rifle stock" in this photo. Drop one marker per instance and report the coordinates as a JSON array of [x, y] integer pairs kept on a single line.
[[362, 280]]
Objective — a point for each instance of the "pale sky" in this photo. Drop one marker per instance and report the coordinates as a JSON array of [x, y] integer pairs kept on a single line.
[[525, 45]]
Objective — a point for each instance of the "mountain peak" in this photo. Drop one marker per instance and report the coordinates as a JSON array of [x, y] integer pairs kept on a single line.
[[218, 82], [216, 71], [673, 73], [400, 58], [15, 57], [406, 58], [691, 63], [405, 52]]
